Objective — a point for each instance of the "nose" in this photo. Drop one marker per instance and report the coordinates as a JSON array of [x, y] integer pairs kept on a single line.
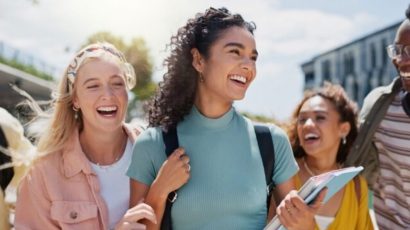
[[309, 122], [107, 92], [248, 64]]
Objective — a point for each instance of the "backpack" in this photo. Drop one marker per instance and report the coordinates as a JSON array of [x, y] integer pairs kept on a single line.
[[266, 149]]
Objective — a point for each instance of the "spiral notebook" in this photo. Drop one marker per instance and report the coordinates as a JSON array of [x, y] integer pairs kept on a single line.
[[332, 180]]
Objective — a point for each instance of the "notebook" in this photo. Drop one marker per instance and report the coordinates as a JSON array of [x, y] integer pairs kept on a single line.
[[332, 180]]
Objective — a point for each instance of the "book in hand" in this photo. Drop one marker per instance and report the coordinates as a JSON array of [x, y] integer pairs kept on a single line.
[[332, 180]]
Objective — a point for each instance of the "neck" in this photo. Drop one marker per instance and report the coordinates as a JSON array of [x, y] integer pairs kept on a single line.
[[315, 166], [103, 148], [212, 108]]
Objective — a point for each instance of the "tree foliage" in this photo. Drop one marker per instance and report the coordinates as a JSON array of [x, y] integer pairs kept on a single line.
[[137, 54]]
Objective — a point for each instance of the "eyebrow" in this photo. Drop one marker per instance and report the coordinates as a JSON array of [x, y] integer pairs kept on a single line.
[[239, 45], [96, 79], [315, 111], [90, 79]]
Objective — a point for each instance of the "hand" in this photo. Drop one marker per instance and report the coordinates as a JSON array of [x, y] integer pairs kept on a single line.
[[293, 213], [135, 214], [174, 172]]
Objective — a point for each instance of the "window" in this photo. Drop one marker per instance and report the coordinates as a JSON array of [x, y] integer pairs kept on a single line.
[[326, 71]]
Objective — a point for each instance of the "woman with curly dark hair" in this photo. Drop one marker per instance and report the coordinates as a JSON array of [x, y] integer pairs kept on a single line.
[[322, 132], [212, 63]]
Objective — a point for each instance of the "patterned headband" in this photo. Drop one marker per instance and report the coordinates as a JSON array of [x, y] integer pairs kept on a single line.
[[96, 50]]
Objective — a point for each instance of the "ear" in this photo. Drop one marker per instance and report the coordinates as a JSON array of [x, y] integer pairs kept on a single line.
[[344, 129], [197, 60], [75, 102]]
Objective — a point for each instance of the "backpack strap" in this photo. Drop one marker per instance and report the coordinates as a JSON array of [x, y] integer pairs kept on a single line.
[[170, 139], [357, 188], [267, 152]]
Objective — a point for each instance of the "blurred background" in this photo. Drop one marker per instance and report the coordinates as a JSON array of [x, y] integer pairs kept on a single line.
[[301, 44]]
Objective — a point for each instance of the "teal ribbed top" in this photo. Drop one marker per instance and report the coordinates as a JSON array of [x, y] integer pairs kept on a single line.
[[227, 188]]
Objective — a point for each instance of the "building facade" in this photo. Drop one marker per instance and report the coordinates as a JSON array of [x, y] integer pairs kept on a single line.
[[358, 66]]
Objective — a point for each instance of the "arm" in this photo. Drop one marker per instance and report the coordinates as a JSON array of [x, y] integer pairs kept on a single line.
[[173, 174], [32, 206]]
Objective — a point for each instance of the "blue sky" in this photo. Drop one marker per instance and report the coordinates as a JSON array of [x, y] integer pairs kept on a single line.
[[289, 32]]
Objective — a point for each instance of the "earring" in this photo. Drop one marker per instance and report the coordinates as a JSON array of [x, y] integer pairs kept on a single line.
[[344, 140], [201, 77], [75, 109]]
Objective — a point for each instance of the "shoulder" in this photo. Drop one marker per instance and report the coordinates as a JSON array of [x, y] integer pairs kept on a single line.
[[50, 162], [42, 168], [149, 138], [279, 136], [377, 92]]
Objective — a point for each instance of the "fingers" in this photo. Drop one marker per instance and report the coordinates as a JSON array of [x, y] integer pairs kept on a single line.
[[140, 211], [294, 213], [318, 202], [178, 153], [284, 211], [131, 226]]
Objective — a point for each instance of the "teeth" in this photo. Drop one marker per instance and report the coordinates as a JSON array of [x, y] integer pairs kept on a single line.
[[311, 135], [238, 78], [107, 109], [405, 74]]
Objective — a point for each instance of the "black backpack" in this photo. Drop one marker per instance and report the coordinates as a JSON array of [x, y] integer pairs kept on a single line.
[[266, 150]]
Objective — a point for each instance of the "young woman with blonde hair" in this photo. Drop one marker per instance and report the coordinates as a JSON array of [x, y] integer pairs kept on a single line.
[[79, 181]]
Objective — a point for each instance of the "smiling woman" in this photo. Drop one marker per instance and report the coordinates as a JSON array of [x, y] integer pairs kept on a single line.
[[212, 64], [79, 182], [322, 132]]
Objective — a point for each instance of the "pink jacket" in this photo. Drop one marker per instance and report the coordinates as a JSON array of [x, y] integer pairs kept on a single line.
[[61, 191]]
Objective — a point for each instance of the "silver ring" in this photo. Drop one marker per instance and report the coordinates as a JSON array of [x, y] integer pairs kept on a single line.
[[189, 167]]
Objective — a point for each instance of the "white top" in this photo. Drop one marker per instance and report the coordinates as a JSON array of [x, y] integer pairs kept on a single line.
[[323, 222], [115, 185]]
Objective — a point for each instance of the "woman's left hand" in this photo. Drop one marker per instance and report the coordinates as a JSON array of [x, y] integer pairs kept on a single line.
[[133, 215], [294, 214]]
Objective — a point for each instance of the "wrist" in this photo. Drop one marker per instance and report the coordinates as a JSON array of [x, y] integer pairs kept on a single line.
[[158, 191]]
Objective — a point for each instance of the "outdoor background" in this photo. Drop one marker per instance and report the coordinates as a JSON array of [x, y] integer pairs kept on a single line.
[[289, 32]]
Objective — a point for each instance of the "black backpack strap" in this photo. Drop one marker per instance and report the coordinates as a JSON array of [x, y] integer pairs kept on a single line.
[[267, 152], [170, 139]]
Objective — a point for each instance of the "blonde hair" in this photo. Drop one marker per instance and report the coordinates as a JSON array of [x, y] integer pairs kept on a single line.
[[63, 120]]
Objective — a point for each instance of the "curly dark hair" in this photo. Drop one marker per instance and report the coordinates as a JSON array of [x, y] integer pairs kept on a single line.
[[346, 108], [175, 95]]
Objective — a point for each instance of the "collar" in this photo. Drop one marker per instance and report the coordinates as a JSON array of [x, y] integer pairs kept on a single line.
[[197, 118], [395, 86], [73, 158]]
